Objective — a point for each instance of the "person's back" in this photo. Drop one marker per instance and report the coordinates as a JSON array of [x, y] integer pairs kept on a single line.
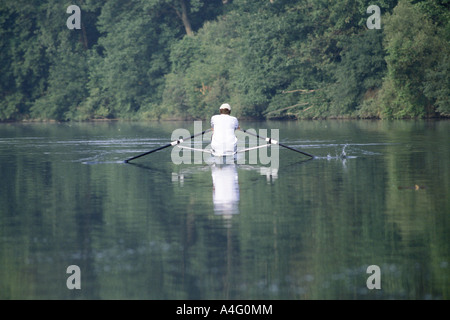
[[224, 141]]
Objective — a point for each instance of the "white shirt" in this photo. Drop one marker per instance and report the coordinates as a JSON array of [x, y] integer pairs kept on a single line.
[[223, 139]]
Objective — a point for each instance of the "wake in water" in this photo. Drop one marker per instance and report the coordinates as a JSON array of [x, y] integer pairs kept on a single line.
[[339, 155], [116, 151], [101, 162]]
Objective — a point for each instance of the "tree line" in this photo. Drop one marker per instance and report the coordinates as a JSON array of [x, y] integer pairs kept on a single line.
[[180, 59]]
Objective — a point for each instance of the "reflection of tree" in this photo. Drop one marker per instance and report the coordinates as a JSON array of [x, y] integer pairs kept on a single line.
[[416, 197]]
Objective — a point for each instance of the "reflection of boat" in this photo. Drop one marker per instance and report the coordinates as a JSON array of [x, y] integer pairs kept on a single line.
[[225, 189]]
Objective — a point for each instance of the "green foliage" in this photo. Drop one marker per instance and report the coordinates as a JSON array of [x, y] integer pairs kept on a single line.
[[24, 66], [197, 81], [360, 71], [437, 84], [415, 49], [264, 65], [147, 59]]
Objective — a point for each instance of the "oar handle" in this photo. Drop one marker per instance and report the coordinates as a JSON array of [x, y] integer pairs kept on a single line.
[[273, 141], [173, 143]]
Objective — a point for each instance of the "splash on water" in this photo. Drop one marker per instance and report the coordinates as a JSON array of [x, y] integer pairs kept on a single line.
[[342, 155]]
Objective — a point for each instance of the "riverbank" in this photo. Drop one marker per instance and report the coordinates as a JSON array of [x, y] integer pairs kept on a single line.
[[172, 118]]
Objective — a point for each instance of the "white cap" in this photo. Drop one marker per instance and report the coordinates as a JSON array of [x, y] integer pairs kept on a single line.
[[225, 106]]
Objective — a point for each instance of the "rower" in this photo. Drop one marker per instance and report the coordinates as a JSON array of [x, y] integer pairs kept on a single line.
[[224, 141]]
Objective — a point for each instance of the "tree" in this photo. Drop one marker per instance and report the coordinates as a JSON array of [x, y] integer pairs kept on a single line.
[[176, 58], [359, 72], [129, 77], [199, 76], [415, 47], [24, 65], [44, 73], [66, 51]]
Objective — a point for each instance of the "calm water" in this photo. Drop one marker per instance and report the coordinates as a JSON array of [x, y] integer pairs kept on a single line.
[[157, 230]]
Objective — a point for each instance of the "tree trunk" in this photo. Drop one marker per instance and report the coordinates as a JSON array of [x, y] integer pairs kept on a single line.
[[185, 19]]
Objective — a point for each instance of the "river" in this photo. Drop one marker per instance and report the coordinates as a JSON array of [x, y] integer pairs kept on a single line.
[[367, 218]]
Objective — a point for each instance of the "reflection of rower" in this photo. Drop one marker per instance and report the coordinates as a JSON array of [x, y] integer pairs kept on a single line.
[[225, 189]]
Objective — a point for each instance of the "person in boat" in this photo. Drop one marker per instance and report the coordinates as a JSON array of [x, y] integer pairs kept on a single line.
[[223, 125]]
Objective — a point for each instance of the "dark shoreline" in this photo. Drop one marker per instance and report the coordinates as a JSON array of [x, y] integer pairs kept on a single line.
[[206, 119]]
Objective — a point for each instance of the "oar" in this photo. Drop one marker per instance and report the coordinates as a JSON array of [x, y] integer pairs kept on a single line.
[[273, 141], [173, 143]]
